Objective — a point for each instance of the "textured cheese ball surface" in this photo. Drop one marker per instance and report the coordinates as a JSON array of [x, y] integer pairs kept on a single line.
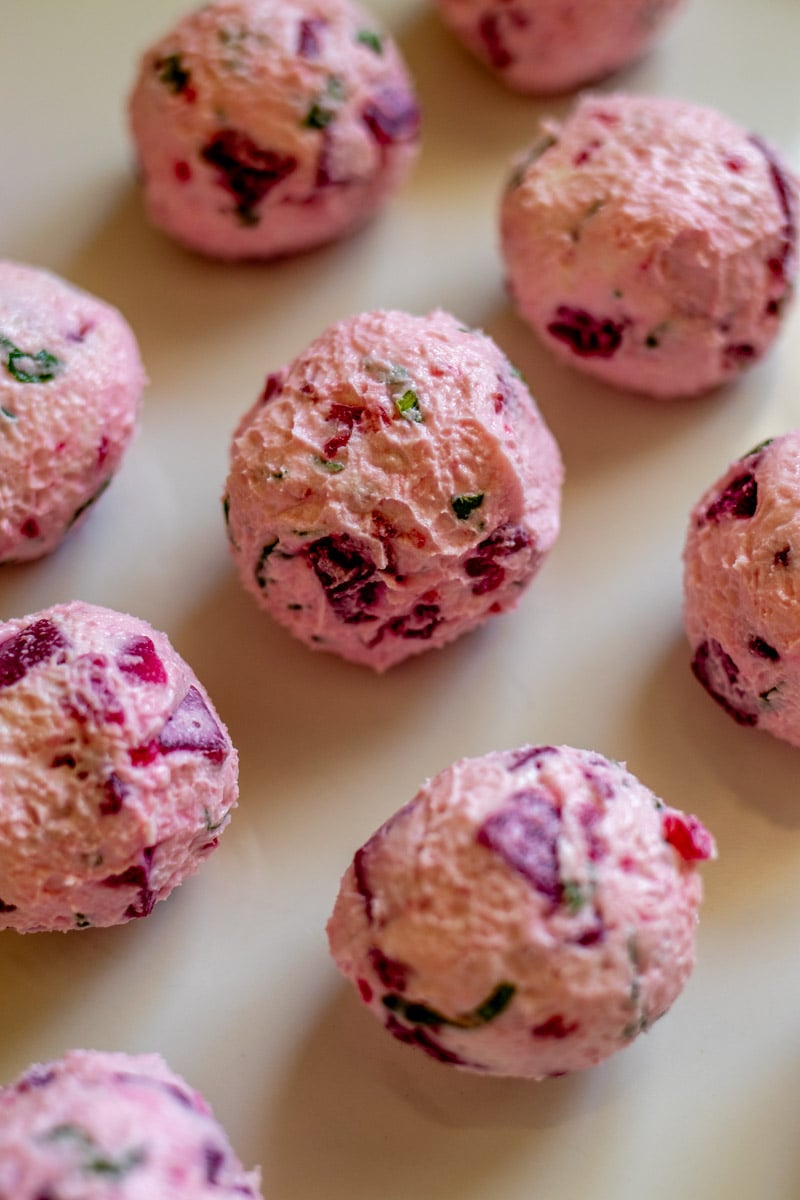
[[112, 1126], [393, 487], [527, 913], [546, 46], [651, 242], [70, 387], [742, 590], [265, 127], [118, 776]]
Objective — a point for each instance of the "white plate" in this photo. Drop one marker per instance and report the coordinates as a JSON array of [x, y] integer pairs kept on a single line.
[[230, 979]]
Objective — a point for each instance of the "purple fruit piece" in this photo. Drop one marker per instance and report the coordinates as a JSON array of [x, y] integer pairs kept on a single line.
[[739, 499], [420, 623], [138, 877], [714, 668], [192, 727], [346, 572], [738, 355], [482, 565], [246, 170], [497, 52], [422, 1039], [24, 650], [586, 335], [114, 793], [345, 416], [590, 817], [214, 1160], [137, 657], [309, 37], [392, 974], [517, 759], [392, 116], [36, 1077], [782, 265], [525, 835], [363, 888], [762, 649]]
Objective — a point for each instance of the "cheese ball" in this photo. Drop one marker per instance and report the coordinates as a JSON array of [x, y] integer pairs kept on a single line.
[[111, 1126], [71, 380], [528, 913], [651, 243], [546, 46], [118, 775], [392, 488], [741, 588], [267, 127]]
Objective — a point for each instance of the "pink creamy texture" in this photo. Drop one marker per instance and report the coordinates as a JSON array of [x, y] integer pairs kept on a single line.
[[265, 127], [552, 45], [527, 913], [70, 387], [741, 589], [118, 775], [651, 243], [392, 488], [113, 1126]]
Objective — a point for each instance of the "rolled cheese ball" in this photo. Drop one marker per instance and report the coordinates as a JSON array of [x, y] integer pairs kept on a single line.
[[392, 488], [266, 127], [118, 775], [529, 912], [741, 591], [71, 381], [110, 1126], [651, 243], [546, 46]]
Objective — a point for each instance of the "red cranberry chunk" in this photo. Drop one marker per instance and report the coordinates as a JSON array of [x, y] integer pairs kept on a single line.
[[245, 169], [714, 668], [309, 37], [392, 116], [137, 657], [554, 1027], [688, 836], [525, 835], [346, 572], [24, 650], [392, 974], [586, 335], [739, 499], [192, 727]]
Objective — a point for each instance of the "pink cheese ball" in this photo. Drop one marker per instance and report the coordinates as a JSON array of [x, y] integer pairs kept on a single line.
[[266, 127], [651, 243], [392, 488], [71, 381], [741, 591], [529, 912], [118, 775], [546, 46], [111, 1126]]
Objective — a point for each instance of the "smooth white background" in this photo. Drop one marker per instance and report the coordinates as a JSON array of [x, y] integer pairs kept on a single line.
[[230, 979]]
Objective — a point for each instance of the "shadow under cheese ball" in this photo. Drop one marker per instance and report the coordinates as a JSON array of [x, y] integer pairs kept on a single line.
[[267, 127], [545, 46], [118, 775], [71, 381], [96, 1125], [528, 913], [742, 591], [393, 487], [651, 243]]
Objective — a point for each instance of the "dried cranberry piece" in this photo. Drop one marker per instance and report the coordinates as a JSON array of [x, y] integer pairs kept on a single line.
[[482, 565], [490, 34], [7, 908], [688, 835], [392, 115], [586, 335], [739, 499], [782, 265], [21, 652], [245, 169], [138, 877], [192, 727], [137, 657], [714, 668], [525, 835], [763, 649], [309, 42], [346, 416], [422, 1039], [421, 622], [346, 572], [554, 1027], [362, 886], [114, 792], [392, 974]]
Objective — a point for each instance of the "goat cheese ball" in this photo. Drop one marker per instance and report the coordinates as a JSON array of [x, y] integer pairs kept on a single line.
[[392, 488], [651, 243], [546, 46], [71, 381], [111, 1126], [267, 127], [118, 775], [741, 590], [528, 913]]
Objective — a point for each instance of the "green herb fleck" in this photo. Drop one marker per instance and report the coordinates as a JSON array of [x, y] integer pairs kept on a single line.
[[226, 510], [421, 1014], [172, 73], [534, 154], [81, 920], [651, 341], [462, 506], [324, 108], [7, 413], [95, 1161], [328, 464], [26, 367], [407, 405], [574, 897], [757, 449], [368, 37], [768, 694], [213, 826], [81, 509], [260, 572]]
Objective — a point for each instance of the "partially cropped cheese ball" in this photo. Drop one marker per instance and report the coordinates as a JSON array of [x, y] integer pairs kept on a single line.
[[528, 913], [267, 127], [393, 487], [651, 243], [95, 1125], [71, 380]]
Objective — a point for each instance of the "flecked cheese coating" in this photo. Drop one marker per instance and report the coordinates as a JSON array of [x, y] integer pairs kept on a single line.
[[529, 912], [71, 380], [651, 242], [393, 487], [545, 46], [266, 127], [112, 1126], [118, 775]]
